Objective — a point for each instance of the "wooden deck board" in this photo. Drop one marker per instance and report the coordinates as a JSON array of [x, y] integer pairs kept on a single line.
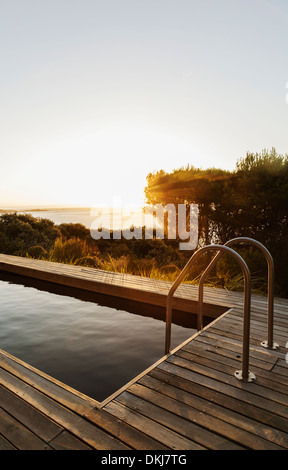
[[188, 400]]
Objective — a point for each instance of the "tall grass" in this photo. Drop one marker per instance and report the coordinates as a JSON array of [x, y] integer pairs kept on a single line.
[[75, 251], [68, 251]]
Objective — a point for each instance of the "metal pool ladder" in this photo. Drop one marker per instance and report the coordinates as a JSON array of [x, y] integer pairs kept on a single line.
[[270, 344], [243, 374]]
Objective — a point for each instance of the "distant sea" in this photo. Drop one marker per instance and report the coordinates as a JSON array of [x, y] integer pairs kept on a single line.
[[65, 216], [85, 216]]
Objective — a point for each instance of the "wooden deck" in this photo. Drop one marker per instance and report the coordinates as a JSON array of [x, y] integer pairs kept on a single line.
[[188, 400]]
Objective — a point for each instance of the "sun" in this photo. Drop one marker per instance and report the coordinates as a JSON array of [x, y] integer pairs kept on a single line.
[[110, 163]]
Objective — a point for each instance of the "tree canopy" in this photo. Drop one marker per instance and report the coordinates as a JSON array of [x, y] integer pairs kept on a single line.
[[251, 201]]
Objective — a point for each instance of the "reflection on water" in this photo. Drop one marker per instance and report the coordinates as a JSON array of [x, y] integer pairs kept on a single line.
[[92, 342]]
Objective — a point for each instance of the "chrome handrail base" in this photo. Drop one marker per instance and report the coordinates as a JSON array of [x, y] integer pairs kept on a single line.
[[266, 345], [251, 377]]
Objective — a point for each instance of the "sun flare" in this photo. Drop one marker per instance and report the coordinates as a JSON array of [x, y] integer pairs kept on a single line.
[[109, 164]]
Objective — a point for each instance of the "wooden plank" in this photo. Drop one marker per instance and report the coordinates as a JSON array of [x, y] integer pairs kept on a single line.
[[227, 378], [5, 445], [216, 352], [183, 426], [257, 322], [281, 368], [146, 425], [224, 386], [216, 420], [228, 297], [50, 386], [218, 341], [262, 377], [222, 396], [234, 360], [209, 402], [237, 346], [235, 331], [65, 441], [256, 351], [131, 436], [260, 315], [113, 284], [18, 435], [65, 418], [28, 416]]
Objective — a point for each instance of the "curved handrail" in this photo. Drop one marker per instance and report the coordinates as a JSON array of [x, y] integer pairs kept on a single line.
[[245, 374], [269, 343]]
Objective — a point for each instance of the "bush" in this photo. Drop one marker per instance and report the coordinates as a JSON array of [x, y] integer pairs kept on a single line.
[[68, 251], [19, 232], [70, 230], [37, 252], [90, 262]]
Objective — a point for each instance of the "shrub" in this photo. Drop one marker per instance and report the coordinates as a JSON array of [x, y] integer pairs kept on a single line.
[[19, 232], [90, 261], [36, 252], [68, 251]]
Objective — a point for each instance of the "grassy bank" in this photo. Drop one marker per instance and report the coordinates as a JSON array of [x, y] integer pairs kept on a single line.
[[24, 235]]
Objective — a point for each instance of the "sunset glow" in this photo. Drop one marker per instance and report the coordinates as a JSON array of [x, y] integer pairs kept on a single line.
[[94, 97]]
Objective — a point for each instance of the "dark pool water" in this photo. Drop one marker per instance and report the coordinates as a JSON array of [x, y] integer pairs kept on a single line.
[[92, 343]]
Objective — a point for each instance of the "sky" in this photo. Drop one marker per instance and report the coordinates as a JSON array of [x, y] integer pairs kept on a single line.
[[94, 94]]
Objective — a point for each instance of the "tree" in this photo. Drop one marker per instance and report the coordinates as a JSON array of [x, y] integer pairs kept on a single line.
[[19, 232], [250, 201]]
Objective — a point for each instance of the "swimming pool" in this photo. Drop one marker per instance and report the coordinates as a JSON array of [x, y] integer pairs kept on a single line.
[[91, 342]]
